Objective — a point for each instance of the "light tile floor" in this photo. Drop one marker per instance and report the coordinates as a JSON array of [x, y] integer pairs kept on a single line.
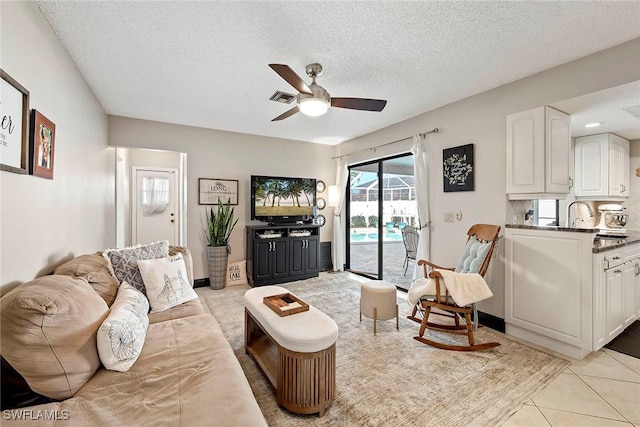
[[601, 390]]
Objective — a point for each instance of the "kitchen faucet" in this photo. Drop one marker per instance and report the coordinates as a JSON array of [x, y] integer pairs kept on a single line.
[[591, 213]]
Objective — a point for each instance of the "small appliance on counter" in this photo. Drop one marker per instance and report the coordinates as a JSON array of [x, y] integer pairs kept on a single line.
[[612, 220]]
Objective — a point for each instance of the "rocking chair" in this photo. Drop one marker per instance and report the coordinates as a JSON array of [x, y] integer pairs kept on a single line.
[[481, 242]]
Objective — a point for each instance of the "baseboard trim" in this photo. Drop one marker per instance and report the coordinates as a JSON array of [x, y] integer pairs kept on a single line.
[[199, 283], [491, 321]]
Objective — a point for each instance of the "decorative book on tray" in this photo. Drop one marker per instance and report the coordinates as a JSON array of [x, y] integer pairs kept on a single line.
[[286, 304]]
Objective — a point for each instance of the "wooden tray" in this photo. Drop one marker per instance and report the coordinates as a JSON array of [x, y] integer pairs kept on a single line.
[[286, 304]]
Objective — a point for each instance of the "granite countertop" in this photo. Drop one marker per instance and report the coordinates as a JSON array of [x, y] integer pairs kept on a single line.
[[600, 243]]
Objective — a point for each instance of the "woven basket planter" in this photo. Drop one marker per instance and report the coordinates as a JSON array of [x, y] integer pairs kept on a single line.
[[217, 257]]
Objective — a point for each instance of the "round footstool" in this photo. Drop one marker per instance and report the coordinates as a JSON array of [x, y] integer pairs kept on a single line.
[[378, 301]]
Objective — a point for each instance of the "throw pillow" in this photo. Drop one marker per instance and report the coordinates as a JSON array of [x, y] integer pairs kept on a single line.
[[121, 336], [123, 262], [473, 256], [237, 273], [166, 282], [48, 334]]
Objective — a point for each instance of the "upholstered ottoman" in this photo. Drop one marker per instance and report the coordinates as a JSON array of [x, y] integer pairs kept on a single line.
[[378, 301], [296, 353]]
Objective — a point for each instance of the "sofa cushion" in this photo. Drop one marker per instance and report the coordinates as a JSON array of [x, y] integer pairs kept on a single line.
[[95, 269], [48, 333], [165, 280], [187, 375], [123, 263], [189, 308], [121, 336]]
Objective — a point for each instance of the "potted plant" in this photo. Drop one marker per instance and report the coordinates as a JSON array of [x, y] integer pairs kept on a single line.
[[218, 230]]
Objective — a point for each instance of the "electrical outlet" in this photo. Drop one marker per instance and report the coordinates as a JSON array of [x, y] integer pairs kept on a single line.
[[458, 216], [448, 217]]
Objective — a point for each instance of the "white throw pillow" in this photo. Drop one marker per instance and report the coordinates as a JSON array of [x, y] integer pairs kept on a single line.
[[121, 336], [166, 282]]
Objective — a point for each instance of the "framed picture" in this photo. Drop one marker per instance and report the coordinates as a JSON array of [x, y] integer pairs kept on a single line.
[[458, 171], [14, 125], [41, 145], [212, 189]]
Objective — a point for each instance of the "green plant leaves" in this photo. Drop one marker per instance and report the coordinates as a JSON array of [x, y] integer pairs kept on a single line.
[[220, 224]]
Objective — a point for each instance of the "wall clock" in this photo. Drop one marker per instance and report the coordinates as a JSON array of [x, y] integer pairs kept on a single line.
[[320, 186], [321, 203]]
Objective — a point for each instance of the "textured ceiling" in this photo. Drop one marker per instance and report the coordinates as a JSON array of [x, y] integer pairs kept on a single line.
[[205, 63]]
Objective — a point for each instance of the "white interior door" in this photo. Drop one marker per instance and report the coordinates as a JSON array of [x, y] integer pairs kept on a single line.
[[155, 205]]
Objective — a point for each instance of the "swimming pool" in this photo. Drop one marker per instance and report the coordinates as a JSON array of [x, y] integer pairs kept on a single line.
[[373, 237]]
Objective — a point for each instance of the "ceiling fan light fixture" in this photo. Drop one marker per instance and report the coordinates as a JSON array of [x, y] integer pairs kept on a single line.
[[313, 107]]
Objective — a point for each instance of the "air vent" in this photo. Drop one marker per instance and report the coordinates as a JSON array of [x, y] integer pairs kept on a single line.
[[285, 98], [634, 111]]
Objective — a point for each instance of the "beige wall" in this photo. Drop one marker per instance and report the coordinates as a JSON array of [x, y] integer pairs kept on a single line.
[[43, 222], [226, 155], [481, 120]]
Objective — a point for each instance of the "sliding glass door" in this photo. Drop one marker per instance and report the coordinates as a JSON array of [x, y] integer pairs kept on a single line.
[[381, 203]]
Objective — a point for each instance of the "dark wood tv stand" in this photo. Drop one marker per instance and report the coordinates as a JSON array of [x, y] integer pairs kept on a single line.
[[282, 253]]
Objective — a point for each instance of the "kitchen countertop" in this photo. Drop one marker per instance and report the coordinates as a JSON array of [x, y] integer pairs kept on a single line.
[[600, 243]]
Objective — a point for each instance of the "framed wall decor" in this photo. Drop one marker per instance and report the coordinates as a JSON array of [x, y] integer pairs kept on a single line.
[[14, 125], [458, 170], [41, 145], [212, 189]]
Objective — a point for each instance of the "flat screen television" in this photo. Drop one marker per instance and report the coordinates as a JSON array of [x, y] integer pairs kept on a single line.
[[277, 199]]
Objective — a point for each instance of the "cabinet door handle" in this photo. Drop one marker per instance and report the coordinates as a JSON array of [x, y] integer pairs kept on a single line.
[[637, 269], [616, 257], [570, 183], [617, 271]]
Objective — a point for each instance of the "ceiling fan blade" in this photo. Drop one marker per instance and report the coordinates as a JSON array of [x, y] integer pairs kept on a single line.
[[291, 77], [359, 103], [286, 114]]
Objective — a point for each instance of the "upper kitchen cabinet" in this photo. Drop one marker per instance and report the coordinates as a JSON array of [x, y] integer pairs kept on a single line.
[[602, 167], [538, 151]]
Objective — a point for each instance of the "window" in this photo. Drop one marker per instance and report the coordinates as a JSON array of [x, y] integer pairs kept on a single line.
[[545, 212]]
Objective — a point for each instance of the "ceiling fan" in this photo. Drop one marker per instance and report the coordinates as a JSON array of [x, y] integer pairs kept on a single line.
[[313, 100]]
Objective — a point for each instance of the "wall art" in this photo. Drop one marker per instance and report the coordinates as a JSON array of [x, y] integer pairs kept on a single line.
[[41, 145], [14, 125], [212, 189], [458, 170]]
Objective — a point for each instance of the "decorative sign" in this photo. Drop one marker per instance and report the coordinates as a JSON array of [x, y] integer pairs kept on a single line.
[[458, 171], [14, 119], [213, 189]]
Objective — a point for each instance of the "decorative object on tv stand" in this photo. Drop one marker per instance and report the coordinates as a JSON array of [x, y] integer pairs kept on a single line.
[[220, 224], [14, 132], [320, 220], [458, 170], [41, 145]]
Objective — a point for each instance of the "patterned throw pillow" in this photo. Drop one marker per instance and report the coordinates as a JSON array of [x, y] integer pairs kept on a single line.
[[123, 263], [166, 282], [121, 336]]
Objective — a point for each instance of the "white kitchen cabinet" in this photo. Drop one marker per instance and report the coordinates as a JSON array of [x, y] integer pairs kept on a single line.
[[538, 148], [602, 167]]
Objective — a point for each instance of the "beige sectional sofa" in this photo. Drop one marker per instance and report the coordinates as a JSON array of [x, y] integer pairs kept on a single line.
[[185, 375]]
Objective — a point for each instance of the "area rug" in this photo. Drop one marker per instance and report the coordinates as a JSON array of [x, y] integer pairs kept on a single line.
[[628, 342], [389, 379]]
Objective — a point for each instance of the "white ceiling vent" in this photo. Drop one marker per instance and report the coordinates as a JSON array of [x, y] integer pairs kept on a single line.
[[634, 111], [285, 98]]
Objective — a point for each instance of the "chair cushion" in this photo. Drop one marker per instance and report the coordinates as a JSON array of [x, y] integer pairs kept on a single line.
[[49, 328], [473, 256]]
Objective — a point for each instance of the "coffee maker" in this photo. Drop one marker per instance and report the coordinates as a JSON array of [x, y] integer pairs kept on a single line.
[[612, 219]]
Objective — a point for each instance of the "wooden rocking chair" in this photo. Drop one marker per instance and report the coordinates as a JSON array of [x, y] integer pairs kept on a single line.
[[481, 242]]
